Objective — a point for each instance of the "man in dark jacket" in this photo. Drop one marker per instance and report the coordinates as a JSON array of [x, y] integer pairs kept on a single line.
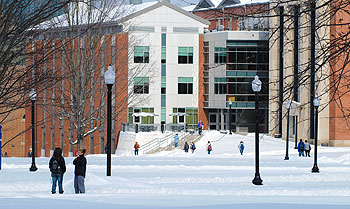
[[79, 172], [186, 147], [57, 167], [301, 147]]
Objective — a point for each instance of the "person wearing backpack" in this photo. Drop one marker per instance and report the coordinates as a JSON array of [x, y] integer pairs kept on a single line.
[[209, 147], [57, 167], [193, 147], [186, 147], [79, 172], [307, 147], [241, 147], [301, 147]]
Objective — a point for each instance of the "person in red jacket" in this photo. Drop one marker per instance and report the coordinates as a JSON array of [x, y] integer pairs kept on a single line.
[[137, 147]]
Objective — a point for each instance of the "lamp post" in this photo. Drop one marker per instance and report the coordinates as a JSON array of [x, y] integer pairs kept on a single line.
[[256, 86], [32, 96], [229, 116], [110, 80], [296, 131], [288, 105], [316, 105]]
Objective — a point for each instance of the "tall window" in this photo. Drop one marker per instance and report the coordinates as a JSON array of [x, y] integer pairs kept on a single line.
[[141, 85], [220, 55], [220, 85], [141, 54], [185, 85], [185, 55]]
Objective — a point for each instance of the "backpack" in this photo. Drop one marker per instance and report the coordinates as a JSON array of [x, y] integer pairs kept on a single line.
[[55, 166], [209, 148], [242, 147], [193, 147]]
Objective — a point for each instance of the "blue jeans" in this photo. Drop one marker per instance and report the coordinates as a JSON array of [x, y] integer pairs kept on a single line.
[[55, 178], [301, 153], [176, 143], [209, 152], [241, 151], [136, 152]]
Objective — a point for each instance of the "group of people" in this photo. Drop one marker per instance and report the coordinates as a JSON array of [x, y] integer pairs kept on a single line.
[[304, 147], [57, 167], [187, 147]]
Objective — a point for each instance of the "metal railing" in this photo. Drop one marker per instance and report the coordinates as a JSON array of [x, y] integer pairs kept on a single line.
[[158, 144]]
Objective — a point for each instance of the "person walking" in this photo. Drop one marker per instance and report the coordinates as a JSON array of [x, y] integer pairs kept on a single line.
[[176, 140], [241, 147], [307, 147], [186, 147], [301, 147], [79, 172], [209, 147], [136, 147], [57, 167], [200, 127], [193, 147]]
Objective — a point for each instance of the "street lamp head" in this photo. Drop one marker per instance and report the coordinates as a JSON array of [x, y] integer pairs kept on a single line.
[[109, 75], [32, 95], [317, 101], [288, 104], [256, 84], [230, 102]]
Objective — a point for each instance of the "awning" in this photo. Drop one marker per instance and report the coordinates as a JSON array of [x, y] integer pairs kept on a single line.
[[178, 114], [144, 114]]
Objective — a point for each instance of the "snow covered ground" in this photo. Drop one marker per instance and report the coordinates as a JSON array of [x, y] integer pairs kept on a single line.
[[179, 180]]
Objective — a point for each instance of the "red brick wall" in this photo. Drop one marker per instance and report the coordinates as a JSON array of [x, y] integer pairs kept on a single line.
[[201, 112], [121, 99]]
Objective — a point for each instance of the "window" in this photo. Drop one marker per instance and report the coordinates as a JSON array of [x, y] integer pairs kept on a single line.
[[220, 86], [141, 54], [185, 85], [185, 55], [220, 55], [163, 55], [141, 85]]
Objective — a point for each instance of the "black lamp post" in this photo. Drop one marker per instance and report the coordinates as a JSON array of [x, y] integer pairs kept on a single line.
[[296, 131], [288, 105], [256, 86], [110, 80], [316, 105], [32, 96], [229, 116]]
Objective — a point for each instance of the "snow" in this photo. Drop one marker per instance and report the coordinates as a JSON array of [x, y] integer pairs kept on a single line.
[[175, 179]]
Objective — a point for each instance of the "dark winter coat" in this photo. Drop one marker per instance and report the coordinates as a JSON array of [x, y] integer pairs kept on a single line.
[[186, 146], [301, 146], [80, 165], [61, 165]]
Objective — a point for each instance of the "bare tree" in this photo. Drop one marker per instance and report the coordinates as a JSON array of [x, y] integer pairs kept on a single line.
[[88, 38], [19, 68]]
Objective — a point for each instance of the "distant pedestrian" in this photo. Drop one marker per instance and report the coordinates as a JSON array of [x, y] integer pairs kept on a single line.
[[136, 147], [241, 147], [200, 127], [186, 147], [5, 155], [106, 148], [307, 147], [30, 153], [162, 128], [301, 147], [79, 172], [176, 140], [57, 167], [193, 147], [209, 147]]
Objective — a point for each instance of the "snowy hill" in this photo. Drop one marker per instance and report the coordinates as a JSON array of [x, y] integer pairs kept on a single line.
[[175, 179]]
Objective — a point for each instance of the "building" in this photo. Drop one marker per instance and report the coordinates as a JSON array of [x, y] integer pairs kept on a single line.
[[232, 59], [306, 64], [234, 15]]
